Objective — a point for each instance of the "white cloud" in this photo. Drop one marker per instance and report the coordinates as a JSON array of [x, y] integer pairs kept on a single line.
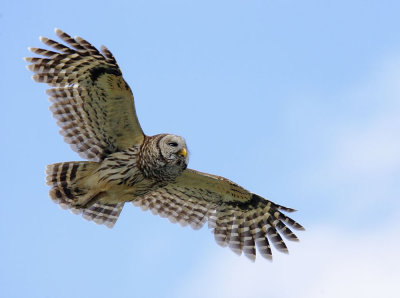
[[373, 149], [360, 160], [370, 143], [326, 263]]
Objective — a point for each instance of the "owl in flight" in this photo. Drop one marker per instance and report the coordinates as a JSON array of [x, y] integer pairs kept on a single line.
[[95, 109]]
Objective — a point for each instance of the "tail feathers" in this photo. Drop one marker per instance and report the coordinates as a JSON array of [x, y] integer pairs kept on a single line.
[[66, 181], [106, 214]]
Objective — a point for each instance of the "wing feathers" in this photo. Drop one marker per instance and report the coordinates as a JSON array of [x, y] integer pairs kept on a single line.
[[93, 104], [108, 55], [236, 237], [238, 218], [69, 40], [55, 45]]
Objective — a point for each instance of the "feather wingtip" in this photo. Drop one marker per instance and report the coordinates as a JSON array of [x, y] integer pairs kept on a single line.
[[299, 227], [251, 257], [109, 224], [284, 250]]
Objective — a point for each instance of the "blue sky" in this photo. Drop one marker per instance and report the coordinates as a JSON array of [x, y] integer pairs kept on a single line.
[[298, 101]]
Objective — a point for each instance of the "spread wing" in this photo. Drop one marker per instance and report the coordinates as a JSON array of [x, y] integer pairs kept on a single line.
[[239, 218], [93, 104]]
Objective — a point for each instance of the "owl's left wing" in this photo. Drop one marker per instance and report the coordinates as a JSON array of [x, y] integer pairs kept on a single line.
[[239, 218]]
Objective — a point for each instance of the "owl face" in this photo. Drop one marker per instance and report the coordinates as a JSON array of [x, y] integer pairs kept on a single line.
[[173, 149]]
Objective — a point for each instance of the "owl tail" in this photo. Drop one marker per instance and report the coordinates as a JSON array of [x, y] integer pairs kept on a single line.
[[67, 186]]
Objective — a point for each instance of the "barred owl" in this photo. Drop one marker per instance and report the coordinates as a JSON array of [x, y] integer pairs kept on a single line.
[[94, 107]]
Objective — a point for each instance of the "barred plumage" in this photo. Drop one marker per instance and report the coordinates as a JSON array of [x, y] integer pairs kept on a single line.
[[242, 225], [66, 181], [91, 101], [94, 107]]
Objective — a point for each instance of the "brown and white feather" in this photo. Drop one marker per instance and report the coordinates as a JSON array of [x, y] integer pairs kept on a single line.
[[239, 219], [93, 104], [66, 182]]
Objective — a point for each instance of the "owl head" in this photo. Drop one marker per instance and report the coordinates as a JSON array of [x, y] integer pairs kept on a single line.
[[164, 157], [173, 149]]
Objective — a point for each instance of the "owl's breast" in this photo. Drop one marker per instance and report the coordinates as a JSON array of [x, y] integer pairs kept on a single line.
[[121, 179]]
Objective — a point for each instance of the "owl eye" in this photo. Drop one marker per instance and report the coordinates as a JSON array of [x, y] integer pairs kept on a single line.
[[173, 144]]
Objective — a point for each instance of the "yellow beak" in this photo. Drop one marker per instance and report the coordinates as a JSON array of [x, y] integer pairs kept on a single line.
[[182, 152]]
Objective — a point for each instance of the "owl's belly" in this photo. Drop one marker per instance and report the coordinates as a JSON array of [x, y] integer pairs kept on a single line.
[[124, 193]]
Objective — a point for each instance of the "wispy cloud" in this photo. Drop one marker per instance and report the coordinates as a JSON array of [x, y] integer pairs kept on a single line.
[[327, 263], [369, 144], [357, 147]]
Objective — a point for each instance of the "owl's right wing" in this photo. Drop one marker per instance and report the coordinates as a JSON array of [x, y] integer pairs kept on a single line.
[[92, 102], [239, 218]]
